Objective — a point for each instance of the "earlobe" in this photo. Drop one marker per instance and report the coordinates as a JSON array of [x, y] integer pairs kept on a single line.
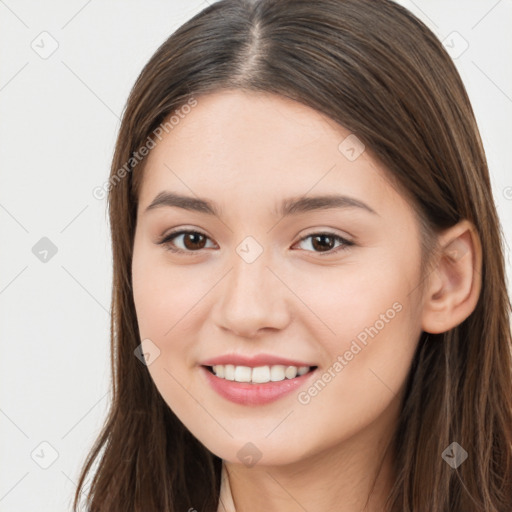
[[454, 285]]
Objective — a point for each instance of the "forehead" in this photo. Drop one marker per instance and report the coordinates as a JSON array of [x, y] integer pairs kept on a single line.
[[252, 148]]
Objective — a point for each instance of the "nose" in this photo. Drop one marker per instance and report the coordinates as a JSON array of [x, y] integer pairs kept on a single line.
[[252, 298]]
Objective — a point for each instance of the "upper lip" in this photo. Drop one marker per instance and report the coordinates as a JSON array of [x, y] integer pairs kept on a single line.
[[254, 361]]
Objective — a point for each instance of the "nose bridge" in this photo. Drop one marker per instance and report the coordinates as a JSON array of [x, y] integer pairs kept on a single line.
[[252, 297]]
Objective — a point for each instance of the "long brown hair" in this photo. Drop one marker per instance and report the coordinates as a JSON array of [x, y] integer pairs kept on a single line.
[[377, 70]]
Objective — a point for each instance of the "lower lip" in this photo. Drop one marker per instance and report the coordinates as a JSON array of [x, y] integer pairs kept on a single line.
[[245, 393]]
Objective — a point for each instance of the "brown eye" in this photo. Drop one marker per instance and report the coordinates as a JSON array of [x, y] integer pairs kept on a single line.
[[324, 242], [192, 241]]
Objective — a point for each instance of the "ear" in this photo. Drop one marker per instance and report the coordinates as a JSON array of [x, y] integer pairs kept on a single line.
[[454, 285]]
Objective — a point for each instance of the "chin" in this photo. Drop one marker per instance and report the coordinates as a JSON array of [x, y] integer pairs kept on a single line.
[[251, 451]]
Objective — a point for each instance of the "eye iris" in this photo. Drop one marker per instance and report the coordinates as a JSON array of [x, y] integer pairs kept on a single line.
[[194, 236], [316, 238]]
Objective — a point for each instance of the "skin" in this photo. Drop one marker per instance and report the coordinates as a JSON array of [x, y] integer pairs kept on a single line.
[[246, 152]]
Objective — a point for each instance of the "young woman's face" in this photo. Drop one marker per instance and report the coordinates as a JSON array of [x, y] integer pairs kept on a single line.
[[255, 281]]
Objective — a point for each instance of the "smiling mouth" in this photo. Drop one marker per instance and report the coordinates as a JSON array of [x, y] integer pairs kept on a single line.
[[259, 374]]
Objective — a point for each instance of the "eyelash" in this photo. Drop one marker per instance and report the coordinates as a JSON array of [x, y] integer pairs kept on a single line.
[[166, 242]]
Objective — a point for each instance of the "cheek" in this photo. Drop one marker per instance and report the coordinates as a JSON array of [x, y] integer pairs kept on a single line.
[[162, 293], [169, 300], [164, 298], [373, 329], [349, 299], [363, 380]]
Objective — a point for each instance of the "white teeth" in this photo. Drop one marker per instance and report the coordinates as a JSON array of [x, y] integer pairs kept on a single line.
[[277, 372], [290, 372], [229, 372], [242, 374], [259, 374]]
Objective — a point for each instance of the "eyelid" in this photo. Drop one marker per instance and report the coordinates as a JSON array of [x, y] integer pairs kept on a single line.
[[328, 231]]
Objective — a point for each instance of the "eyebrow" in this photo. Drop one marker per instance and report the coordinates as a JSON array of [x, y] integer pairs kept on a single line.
[[291, 206]]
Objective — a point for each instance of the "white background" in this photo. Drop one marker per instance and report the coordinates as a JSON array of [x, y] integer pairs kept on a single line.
[[58, 122]]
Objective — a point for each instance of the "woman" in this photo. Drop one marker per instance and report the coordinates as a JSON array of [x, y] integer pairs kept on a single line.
[[309, 309]]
